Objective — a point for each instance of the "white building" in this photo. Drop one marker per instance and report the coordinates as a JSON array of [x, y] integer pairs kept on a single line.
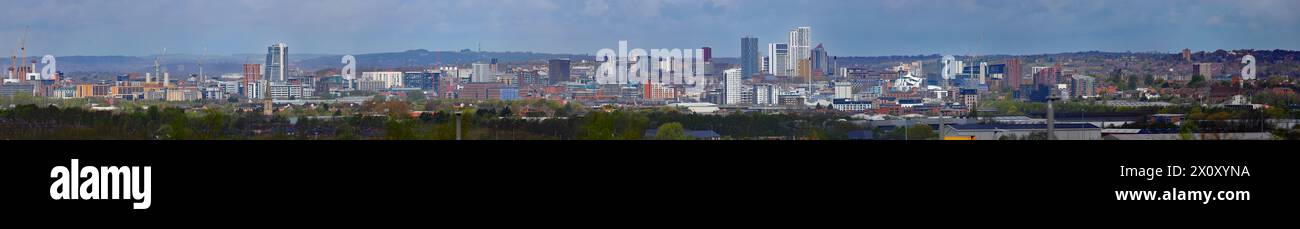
[[800, 45], [843, 90], [846, 105], [731, 93], [183, 94], [983, 74], [255, 89], [778, 55], [371, 85], [390, 79], [286, 91], [229, 87], [483, 73], [699, 108], [766, 94], [214, 93]]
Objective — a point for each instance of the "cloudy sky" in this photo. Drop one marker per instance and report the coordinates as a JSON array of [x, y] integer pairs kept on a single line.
[[847, 27]]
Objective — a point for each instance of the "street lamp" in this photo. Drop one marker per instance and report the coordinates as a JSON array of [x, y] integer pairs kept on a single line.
[[1051, 117], [458, 115], [906, 125]]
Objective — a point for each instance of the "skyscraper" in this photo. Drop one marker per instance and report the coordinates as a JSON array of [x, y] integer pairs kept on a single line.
[[800, 44], [749, 56], [731, 85], [778, 55], [277, 62], [708, 54], [558, 71], [820, 61]]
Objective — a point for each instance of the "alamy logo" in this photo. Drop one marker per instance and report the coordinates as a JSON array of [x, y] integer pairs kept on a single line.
[[656, 66], [102, 183]]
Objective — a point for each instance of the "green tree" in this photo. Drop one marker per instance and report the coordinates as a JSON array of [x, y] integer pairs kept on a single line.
[[921, 132], [598, 126], [1037, 136], [426, 117], [1197, 81], [395, 130], [672, 131], [505, 112], [414, 96], [1013, 110], [1188, 129]]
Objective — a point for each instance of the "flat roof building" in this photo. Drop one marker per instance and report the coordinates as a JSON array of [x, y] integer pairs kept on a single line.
[[1064, 131]]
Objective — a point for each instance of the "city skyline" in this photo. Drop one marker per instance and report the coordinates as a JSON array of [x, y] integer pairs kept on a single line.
[[847, 28]]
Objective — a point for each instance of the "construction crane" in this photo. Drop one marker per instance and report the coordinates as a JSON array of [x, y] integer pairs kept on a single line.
[[22, 45], [13, 65], [13, 62], [202, 80]]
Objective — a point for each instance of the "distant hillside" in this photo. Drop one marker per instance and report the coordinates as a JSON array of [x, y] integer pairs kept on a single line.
[[185, 64]]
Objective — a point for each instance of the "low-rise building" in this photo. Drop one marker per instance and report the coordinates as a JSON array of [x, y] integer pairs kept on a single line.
[[1064, 131], [850, 105]]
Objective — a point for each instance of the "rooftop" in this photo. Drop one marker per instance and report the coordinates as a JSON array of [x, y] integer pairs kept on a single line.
[[697, 134], [1023, 126]]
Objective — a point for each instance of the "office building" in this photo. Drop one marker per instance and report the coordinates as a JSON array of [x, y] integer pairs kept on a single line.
[[1083, 86], [749, 61], [483, 73], [766, 94], [252, 73], [255, 89], [421, 80], [708, 54], [800, 48], [731, 93], [390, 79], [1203, 69], [778, 55], [1013, 76], [557, 71], [820, 61], [843, 90], [277, 63]]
